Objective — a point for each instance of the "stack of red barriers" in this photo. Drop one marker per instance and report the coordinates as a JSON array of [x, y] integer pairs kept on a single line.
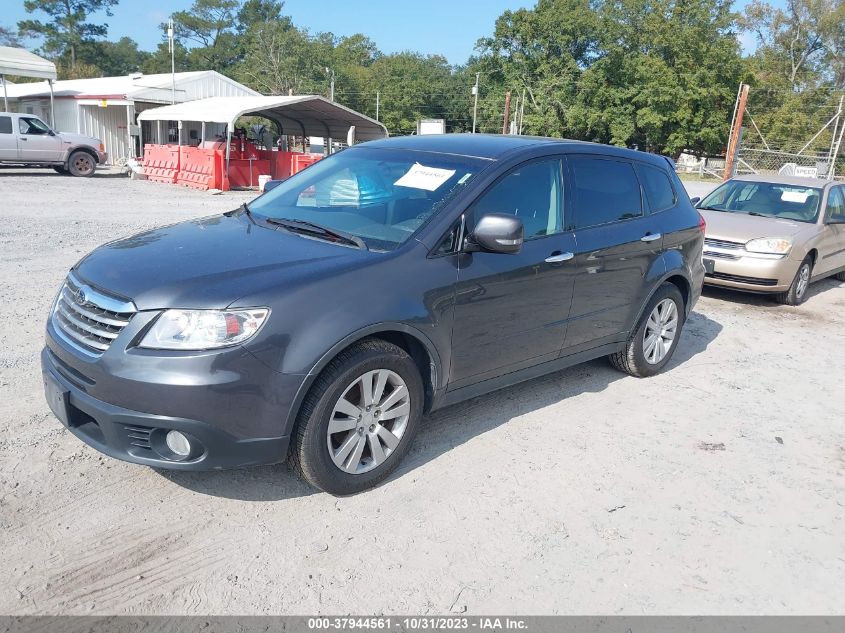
[[205, 168]]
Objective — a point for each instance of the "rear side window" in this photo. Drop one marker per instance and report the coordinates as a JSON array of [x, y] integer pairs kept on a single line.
[[606, 191], [658, 188], [5, 125]]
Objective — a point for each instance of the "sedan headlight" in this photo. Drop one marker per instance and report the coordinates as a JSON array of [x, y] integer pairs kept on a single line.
[[204, 329], [770, 245]]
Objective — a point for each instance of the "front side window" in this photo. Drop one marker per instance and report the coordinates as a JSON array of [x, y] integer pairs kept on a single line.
[[533, 193], [5, 125], [32, 126], [381, 196], [768, 199], [836, 204], [606, 191], [658, 188]]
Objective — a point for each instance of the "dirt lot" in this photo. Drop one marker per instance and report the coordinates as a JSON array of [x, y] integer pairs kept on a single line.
[[716, 487]]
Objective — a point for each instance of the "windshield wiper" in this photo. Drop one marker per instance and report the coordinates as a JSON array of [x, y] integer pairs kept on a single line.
[[244, 207], [312, 228], [711, 209], [759, 215]]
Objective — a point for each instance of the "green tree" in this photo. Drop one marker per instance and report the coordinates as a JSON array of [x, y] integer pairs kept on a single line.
[[68, 28], [8, 37], [114, 58], [209, 28]]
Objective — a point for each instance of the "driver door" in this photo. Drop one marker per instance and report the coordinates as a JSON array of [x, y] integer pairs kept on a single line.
[[36, 141], [511, 309]]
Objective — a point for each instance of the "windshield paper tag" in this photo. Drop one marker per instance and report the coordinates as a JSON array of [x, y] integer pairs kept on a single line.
[[795, 196], [421, 177]]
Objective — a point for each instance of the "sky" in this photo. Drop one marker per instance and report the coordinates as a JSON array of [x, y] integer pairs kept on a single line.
[[446, 27]]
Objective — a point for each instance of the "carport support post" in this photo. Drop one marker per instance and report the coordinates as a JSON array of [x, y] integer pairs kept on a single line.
[[202, 133], [5, 94], [228, 147], [52, 106]]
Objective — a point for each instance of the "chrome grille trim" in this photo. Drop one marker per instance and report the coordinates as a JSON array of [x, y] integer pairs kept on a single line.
[[724, 244], [87, 319]]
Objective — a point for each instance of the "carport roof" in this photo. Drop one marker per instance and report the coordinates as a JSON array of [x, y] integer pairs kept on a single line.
[[309, 115], [20, 62]]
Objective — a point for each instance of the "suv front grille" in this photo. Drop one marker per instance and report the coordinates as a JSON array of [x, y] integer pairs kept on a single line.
[[88, 319]]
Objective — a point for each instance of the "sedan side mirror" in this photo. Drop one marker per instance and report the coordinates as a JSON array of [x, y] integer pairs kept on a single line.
[[496, 233], [694, 201]]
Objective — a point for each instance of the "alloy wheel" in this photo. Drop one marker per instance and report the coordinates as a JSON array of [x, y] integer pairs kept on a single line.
[[368, 421], [803, 280], [660, 331]]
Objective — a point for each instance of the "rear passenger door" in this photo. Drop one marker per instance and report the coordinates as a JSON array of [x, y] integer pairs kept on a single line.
[[617, 240], [8, 139], [832, 245]]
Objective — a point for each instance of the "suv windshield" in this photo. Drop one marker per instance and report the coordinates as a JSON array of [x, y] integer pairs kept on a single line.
[[771, 199], [381, 196]]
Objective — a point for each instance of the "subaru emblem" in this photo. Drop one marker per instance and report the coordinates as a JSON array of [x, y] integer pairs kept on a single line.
[[80, 297]]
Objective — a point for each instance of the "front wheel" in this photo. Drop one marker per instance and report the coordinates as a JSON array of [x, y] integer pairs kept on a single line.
[[359, 418], [797, 293], [81, 164], [651, 345]]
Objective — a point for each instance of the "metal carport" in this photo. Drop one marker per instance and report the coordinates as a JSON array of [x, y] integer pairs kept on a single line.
[[308, 115], [22, 63]]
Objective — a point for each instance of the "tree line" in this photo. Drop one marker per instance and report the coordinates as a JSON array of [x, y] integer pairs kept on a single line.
[[661, 75]]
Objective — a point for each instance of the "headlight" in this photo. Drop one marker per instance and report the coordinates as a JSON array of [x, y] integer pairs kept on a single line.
[[771, 245], [204, 329]]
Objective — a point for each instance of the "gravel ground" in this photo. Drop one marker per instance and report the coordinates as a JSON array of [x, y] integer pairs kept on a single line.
[[714, 488]]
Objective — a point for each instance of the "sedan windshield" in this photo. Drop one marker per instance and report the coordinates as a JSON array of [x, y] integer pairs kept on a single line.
[[379, 196], [770, 199]]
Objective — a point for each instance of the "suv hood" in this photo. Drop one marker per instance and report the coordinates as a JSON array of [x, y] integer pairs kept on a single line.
[[79, 139], [209, 263], [739, 227]]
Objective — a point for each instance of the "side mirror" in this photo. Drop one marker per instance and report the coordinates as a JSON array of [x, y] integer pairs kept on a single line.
[[496, 233], [695, 201]]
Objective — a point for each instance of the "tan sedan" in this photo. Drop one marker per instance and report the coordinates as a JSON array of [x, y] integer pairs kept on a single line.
[[774, 234]]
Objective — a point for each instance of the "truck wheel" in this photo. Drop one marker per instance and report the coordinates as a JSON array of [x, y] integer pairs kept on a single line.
[[359, 418], [60, 169], [81, 164]]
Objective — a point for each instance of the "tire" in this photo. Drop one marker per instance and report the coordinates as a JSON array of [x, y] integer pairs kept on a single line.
[[797, 293], [639, 360], [340, 385], [60, 169], [840, 276], [81, 164]]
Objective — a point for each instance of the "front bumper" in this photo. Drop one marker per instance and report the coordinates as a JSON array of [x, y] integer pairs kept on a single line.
[[102, 158], [751, 273], [124, 402]]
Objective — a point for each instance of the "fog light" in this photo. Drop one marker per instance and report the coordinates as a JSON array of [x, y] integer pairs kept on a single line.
[[178, 443]]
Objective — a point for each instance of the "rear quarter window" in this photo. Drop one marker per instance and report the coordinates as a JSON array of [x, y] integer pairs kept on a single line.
[[5, 125], [658, 188]]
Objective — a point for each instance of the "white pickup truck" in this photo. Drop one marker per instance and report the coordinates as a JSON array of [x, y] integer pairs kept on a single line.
[[27, 140]]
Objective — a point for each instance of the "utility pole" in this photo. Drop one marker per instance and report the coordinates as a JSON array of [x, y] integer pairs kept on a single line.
[[171, 42], [736, 128], [475, 105], [507, 112], [331, 88], [521, 112], [378, 99]]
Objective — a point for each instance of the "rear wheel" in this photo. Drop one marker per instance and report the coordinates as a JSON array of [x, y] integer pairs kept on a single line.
[[840, 276], [81, 164], [797, 293], [359, 418], [651, 345], [60, 169]]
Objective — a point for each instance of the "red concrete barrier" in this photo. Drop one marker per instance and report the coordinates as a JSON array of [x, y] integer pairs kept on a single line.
[[161, 162], [200, 168], [301, 161]]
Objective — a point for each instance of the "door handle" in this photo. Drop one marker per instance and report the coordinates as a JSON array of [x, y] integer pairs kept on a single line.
[[559, 257], [650, 237], [24, 139]]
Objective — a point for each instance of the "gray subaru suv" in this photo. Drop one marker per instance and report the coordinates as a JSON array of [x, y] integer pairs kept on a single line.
[[323, 320]]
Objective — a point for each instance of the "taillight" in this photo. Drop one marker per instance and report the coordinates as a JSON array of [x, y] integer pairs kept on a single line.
[[702, 224]]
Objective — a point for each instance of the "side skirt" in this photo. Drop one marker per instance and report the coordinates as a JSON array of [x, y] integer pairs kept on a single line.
[[513, 378]]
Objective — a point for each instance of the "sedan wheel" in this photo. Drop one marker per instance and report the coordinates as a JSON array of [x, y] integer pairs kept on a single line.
[[368, 421], [797, 293]]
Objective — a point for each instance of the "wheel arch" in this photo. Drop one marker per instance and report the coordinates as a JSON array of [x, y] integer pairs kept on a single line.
[[679, 278], [418, 346], [82, 148]]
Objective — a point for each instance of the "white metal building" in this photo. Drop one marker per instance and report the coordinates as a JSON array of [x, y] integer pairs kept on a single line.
[[107, 107]]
